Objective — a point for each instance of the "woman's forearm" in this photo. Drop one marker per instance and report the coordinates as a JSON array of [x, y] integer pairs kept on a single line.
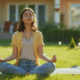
[[11, 57], [44, 57]]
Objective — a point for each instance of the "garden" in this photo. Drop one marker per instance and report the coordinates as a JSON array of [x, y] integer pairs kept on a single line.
[[62, 43]]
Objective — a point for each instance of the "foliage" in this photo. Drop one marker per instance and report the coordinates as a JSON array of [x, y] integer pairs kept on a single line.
[[72, 43], [66, 58], [52, 33], [48, 26], [79, 39], [62, 25]]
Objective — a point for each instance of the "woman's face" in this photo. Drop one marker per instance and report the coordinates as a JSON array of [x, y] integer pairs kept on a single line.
[[28, 17]]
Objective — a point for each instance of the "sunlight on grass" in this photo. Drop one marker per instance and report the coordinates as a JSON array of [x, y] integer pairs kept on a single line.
[[65, 58], [37, 77]]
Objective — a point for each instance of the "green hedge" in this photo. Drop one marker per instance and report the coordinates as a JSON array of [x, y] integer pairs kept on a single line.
[[56, 35]]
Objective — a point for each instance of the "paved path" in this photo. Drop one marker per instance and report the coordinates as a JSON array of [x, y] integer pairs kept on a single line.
[[66, 71], [72, 70]]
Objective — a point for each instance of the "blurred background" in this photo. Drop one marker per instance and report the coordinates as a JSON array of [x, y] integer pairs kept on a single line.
[[58, 20]]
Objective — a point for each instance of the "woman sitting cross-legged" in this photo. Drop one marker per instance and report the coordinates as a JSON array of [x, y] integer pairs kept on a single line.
[[28, 45]]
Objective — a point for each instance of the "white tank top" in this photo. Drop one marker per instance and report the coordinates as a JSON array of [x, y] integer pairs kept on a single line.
[[27, 50]]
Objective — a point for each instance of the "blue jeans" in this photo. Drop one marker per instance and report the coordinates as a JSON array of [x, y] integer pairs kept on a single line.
[[26, 65]]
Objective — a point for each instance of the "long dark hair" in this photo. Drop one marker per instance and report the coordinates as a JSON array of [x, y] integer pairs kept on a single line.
[[21, 26]]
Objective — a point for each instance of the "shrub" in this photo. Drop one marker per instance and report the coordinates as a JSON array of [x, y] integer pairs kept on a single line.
[[48, 26], [79, 39], [52, 33], [62, 25], [72, 43]]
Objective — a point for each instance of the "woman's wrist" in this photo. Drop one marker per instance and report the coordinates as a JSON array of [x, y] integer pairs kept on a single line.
[[3, 60], [50, 61]]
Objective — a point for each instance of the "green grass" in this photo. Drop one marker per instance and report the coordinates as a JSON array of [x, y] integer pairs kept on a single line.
[[66, 58]]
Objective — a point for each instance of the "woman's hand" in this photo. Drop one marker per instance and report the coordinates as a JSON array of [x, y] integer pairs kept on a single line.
[[1, 60], [54, 59]]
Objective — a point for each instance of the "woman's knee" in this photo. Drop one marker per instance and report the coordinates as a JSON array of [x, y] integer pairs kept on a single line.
[[52, 66], [2, 64]]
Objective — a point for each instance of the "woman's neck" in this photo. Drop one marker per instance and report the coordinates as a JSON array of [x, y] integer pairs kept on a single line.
[[28, 28]]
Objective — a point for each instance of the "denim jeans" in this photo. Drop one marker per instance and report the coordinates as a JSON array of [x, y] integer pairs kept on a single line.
[[26, 65]]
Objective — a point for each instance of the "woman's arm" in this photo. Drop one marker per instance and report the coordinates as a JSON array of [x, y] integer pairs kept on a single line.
[[13, 56], [40, 50], [42, 55]]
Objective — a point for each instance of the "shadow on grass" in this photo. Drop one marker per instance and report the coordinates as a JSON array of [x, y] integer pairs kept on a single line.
[[13, 76], [70, 48], [42, 77], [10, 76], [5, 42], [55, 44]]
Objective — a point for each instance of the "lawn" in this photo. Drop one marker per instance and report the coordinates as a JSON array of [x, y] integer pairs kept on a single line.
[[66, 58]]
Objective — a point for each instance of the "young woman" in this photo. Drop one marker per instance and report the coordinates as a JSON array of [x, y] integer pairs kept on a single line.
[[28, 45]]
